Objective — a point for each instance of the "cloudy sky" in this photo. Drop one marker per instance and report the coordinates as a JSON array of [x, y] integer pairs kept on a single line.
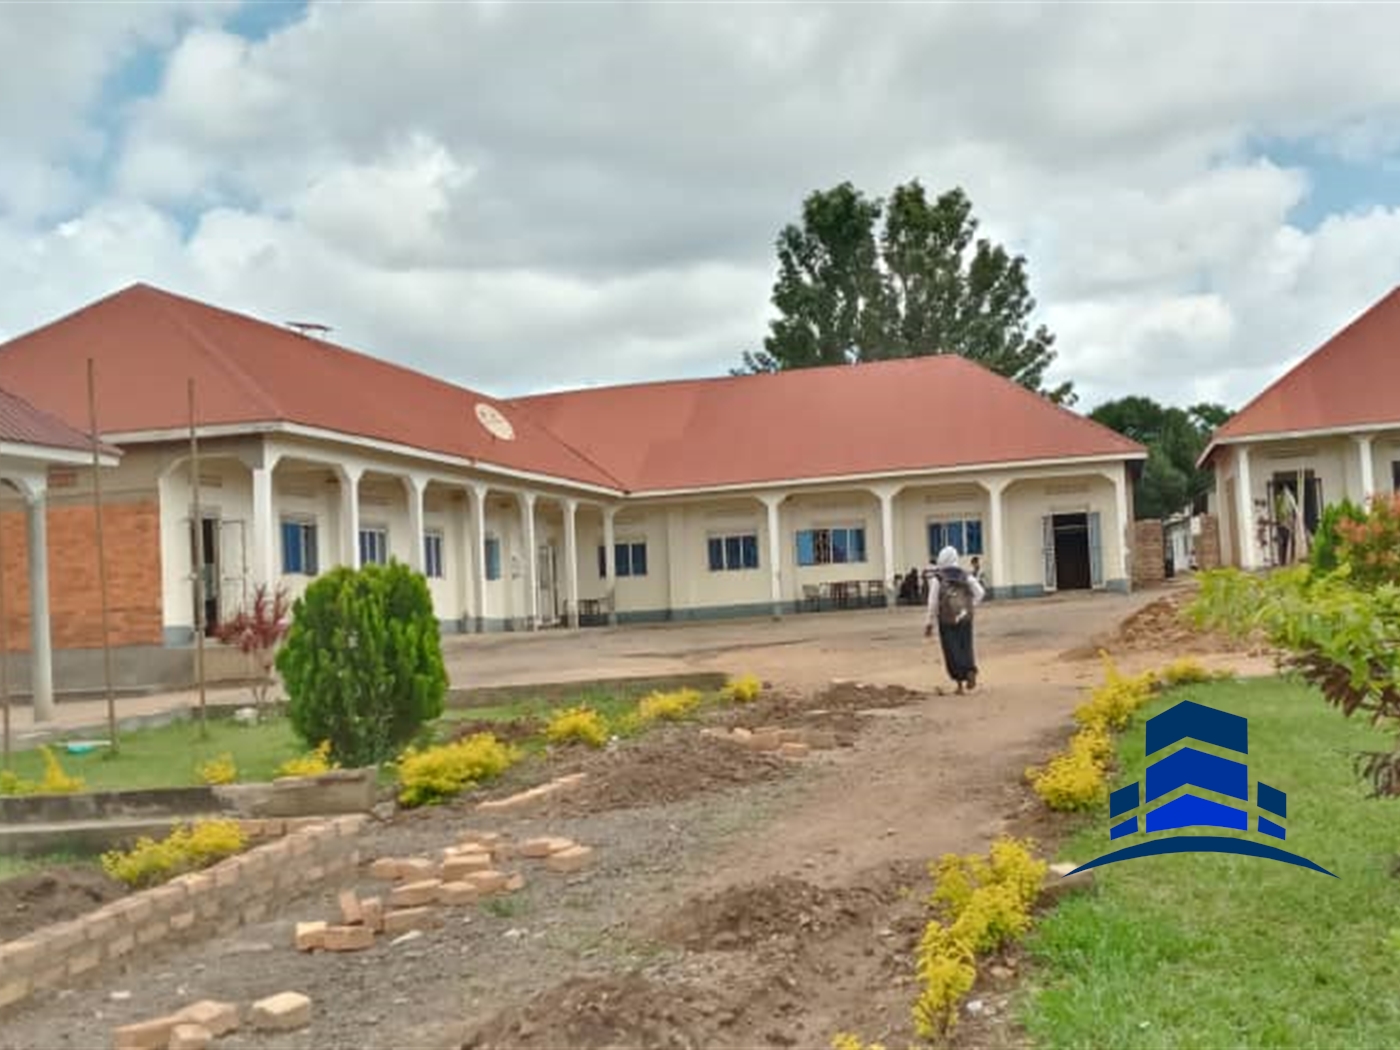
[[528, 196]]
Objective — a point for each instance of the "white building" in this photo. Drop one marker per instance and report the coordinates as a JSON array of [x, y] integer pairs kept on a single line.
[[732, 496]]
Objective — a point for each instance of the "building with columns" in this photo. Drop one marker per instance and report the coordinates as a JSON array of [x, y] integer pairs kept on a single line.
[[736, 496], [1325, 431]]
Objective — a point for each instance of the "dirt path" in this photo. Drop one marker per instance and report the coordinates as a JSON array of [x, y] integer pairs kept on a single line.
[[737, 901]]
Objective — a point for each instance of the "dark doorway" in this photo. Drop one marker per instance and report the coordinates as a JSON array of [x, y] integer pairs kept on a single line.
[[1287, 548], [1072, 569], [209, 571]]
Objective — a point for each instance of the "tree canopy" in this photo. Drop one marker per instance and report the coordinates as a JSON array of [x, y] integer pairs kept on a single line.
[[1175, 439], [851, 289]]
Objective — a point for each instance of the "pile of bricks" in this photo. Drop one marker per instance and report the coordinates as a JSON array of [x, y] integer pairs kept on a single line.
[[534, 794], [198, 1025], [240, 890], [1148, 555], [788, 743], [466, 873]]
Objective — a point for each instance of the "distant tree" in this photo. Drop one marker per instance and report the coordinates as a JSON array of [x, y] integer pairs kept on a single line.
[[923, 285], [1175, 439]]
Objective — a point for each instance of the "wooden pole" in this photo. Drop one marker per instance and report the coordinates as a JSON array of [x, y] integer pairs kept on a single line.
[[4, 648], [113, 747], [198, 526]]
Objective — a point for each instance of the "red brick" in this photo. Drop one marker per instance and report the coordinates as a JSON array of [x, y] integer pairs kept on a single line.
[[146, 1035], [190, 1037], [14, 991], [347, 938], [487, 882], [386, 868], [414, 893], [402, 920], [350, 909], [373, 910], [218, 1017], [282, 1012], [574, 859], [310, 936], [456, 868], [455, 894], [537, 848]]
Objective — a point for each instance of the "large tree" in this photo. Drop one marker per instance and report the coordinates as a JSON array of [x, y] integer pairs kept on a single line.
[[1175, 439], [851, 289]]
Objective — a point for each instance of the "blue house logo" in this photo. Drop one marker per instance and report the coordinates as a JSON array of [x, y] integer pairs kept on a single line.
[[1190, 767]]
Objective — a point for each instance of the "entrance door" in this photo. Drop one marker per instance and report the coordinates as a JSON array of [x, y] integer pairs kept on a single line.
[[1069, 553], [209, 536], [549, 591], [1289, 548]]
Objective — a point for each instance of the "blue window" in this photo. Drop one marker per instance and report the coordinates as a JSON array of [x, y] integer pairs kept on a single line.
[[374, 546], [731, 553], [493, 558], [299, 548], [963, 533], [629, 559], [841, 546], [432, 555]]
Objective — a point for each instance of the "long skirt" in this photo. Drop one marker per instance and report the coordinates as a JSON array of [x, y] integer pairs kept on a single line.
[[956, 640]]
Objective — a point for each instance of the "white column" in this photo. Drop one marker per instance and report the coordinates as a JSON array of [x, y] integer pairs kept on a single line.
[[886, 534], [1120, 493], [532, 596], [995, 538], [40, 645], [1368, 467], [571, 558], [413, 488], [350, 515], [610, 562], [265, 534], [1244, 508], [477, 495], [775, 550]]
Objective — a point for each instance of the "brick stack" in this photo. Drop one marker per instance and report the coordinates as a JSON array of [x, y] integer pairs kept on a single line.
[[1207, 543], [1149, 553]]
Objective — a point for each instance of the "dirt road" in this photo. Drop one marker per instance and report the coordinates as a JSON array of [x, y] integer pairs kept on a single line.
[[738, 900]]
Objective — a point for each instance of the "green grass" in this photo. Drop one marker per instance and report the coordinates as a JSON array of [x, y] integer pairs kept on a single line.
[[169, 756], [1204, 950], [13, 866]]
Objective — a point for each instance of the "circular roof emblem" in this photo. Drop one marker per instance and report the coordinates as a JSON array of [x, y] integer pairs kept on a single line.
[[494, 422]]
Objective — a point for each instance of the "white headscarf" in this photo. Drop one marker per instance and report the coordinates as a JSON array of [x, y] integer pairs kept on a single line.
[[948, 557]]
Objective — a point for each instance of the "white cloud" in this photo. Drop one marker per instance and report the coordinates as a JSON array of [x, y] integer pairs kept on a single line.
[[530, 196]]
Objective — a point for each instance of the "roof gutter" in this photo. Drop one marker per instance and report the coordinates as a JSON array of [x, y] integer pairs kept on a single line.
[[1354, 429]]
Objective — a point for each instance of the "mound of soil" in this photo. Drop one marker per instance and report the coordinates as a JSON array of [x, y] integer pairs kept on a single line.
[[513, 731], [32, 901], [593, 1013], [837, 707], [1163, 626], [665, 766], [781, 907]]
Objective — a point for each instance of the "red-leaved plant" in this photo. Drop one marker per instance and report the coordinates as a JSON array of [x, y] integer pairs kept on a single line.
[[1372, 546], [257, 631]]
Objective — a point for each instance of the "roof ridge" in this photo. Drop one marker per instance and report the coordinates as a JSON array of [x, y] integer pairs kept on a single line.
[[535, 421]]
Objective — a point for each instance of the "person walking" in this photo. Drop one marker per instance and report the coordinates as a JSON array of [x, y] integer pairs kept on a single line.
[[952, 596]]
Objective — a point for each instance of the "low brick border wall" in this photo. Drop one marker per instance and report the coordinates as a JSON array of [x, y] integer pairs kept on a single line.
[[237, 891]]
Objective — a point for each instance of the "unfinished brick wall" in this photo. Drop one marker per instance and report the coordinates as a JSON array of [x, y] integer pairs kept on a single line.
[[235, 892], [1207, 543], [131, 536], [1149, 553]]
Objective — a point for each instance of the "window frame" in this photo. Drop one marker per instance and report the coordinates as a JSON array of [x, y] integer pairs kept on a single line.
[[431, 536], [964, 524], [734, 550], [491, 555], [369, 532], [308, 543], [827, 541]]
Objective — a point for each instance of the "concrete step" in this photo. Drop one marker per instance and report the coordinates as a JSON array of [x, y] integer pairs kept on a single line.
[[87, 837]]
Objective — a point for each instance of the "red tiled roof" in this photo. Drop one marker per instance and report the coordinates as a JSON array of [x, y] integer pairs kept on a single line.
[[905, 415], [1349, 381], [23, 424], [908, 415], [148, 343]]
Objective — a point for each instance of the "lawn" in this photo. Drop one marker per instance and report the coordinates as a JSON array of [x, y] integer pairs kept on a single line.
[[1198, 950], [170, 756]]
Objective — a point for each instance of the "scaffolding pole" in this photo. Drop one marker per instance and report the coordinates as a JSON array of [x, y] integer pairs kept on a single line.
[[112, 744], [198, 525]]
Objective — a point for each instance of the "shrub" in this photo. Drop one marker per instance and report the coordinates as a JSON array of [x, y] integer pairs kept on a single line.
[[1185, 671], [851, 1041], [12, 783], [219, 770], [671, 707], [257, 631], [362, 662], [56, 781], [1070, 781], [1326, 554], [311, 764], [185, 849], [947, 971], [742, 690], [438, 773], [581, 725], [1370, 547]]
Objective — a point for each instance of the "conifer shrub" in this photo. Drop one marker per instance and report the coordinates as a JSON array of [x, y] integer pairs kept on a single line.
[[362, 662]]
